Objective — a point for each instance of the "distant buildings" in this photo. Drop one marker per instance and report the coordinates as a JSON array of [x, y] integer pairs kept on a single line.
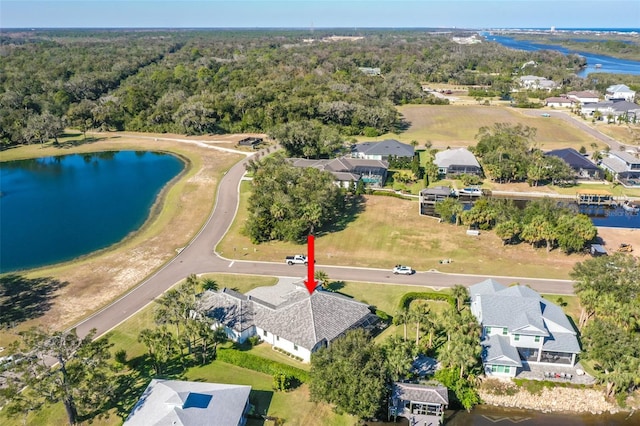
[[532, 82], [349, 171], [382, 150], [620, 91]]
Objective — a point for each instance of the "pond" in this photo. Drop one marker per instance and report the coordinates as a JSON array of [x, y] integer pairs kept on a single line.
[[55, 209]]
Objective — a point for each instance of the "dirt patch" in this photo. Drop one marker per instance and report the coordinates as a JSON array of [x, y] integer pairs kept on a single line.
[[613, 237]]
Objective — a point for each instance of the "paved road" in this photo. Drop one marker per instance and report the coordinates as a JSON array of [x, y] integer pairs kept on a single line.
[[199, 257], [614, 145]]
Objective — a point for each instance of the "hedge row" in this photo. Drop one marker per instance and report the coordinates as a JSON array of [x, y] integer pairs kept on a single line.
[[406, 300], [261, 365], [391, 194]]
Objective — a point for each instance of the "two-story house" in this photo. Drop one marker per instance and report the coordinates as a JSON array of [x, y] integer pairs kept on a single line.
[[620, 91], [518, 327], [624, 166]]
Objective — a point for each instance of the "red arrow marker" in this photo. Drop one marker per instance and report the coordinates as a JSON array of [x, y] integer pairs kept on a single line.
[[310, 282]]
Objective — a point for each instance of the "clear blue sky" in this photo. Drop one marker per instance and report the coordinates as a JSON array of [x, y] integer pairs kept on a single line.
[[320, 13]]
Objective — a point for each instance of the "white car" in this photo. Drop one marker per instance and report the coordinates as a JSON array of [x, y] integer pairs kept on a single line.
[[403, 270]]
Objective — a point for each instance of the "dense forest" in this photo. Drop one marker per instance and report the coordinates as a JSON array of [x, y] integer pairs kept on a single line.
[[221, 81]]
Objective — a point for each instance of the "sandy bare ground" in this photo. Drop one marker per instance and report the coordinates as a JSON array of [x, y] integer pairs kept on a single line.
[[613, 237], [94, 281]]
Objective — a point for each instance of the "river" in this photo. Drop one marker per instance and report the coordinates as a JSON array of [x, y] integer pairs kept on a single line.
[[608, 64]]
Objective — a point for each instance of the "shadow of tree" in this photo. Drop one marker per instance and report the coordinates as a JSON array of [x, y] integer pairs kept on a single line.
[[336, 286], [261, 401], [22, 298], [352, 209]]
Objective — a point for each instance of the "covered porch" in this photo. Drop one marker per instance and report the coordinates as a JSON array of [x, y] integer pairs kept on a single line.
[[422, 405]]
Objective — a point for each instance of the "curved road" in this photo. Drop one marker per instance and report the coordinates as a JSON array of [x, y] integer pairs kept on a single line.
[[199, 257]]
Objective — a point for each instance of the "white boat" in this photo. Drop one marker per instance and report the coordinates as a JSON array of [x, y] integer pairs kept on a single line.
[[469, 191], [630, 207]]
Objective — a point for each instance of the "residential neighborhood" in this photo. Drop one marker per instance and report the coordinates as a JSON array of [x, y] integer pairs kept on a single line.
[[218, 226]]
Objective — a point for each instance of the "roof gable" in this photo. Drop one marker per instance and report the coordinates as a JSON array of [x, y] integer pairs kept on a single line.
[[385, 148], [497, 350], [458, 157], [421, 393]]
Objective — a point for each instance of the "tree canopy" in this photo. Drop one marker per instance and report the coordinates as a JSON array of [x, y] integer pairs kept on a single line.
[[609, 291], [350, 374], [288, 203]]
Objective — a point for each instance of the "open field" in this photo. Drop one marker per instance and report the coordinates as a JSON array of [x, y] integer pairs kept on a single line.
[[390, 231], [457, 125]]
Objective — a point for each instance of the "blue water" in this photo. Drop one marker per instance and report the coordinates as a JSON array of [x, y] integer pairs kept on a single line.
[[55, 209], [609, 63]]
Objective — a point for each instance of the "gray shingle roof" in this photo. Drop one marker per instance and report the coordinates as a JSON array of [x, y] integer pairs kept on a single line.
[[497, 350], [457, 157], [618, 88], [573, 158], [176, 402], [301, 318], [344, 169], [421, 393], [520, 315], [562, 342], [615, 164], [385, 148], [488, 286]]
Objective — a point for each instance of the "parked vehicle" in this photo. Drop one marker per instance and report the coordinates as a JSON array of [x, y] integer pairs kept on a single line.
[[296, 259], [625, 248], [546, 114], [403, 270], [630, 207]]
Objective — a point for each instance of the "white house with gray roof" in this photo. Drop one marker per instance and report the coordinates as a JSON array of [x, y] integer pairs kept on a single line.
[[382, 150], [456, 162], [613, 109], [620, 91], [624, 166], [286, 316], [182, 403], [518, 327], [534, 82]]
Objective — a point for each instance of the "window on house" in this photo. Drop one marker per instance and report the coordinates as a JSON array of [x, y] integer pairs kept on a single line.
[[537, 339], [488, 330], [278, 338], [264, 332], [505, 331], [295, 347], [516, 337]]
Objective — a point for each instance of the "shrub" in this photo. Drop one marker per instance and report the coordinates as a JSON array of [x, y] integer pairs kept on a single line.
[[407, 298], [261, 365], [383, 315], [281, 382], [254, 341]]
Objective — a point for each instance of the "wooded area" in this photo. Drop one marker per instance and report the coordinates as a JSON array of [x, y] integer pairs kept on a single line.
[[198, 82]]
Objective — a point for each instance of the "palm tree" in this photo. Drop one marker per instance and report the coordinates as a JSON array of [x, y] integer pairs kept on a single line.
[[402, 317], [322, 277], [418, 313], [460, 294]]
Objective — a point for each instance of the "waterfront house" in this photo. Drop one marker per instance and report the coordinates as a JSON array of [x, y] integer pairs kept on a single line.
[[582, 166], [453, 162], [382, 150], [348, 171], [624, 166], [519, 327], [429, 197], [286, 316], [620, 91], [182, 403], [422, 405]]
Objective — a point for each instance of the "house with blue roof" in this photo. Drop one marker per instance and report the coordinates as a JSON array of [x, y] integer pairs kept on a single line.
[[520, 327]]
